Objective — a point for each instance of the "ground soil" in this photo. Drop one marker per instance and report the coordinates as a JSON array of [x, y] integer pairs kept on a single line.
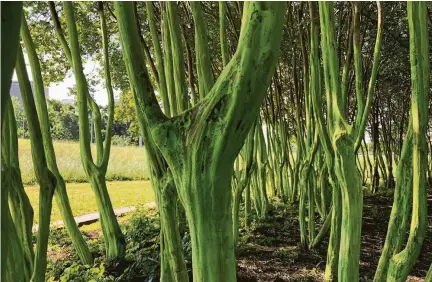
[[270, 251]]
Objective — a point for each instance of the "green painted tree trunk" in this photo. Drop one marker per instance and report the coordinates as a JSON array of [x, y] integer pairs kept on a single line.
[[222, 33], [428, 277], [402, 261], [114, 240], [11, 21], [201, 144], [19, 262], [260, 191], [243, 181], [345, 141], [10, 14], [173, 266], [167, 204], [19, 204], [324, 189], [345, 168], [331, 269], [44, 176], [60, 194], [204, 70], [324, 135]]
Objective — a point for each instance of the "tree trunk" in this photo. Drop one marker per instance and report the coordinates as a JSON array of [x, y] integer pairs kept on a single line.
[[20, 208], [95, 171], [173, 252], [60, 193], [395, 264], [10, 13], [331, 270], [429, 275], [115, 243], [402, 262], [201, 144]]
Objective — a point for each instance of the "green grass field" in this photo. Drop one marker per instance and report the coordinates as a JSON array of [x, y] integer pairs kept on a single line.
[[126, 163], [82, 200]]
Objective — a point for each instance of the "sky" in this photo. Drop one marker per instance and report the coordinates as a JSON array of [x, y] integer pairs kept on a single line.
[[59, 91]]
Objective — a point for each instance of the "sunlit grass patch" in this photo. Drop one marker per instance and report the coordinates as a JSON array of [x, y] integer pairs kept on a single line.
[[82, 200], [126, 163]]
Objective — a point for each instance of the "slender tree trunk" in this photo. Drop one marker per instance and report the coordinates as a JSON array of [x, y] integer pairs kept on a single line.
[[95, 171], [167, 205], [375, 140], [331, 269], [429, 275], [19, 203], [44, 176], [19, 262], [60, 194], [402, 262]]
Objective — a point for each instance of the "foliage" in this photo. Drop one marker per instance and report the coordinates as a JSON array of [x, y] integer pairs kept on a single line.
[[124, 114], [142, 234], [121, 140], [22, 128], [63, 120], [80, 273], [141, 231]]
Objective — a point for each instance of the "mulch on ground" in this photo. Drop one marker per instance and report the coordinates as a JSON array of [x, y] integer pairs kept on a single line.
[[271, 250]]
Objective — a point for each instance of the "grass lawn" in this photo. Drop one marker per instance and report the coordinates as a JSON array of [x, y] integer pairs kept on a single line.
[[126, 163], [82, 200]]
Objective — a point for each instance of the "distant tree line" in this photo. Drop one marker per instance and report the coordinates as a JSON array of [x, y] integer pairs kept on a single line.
[[63, 119]]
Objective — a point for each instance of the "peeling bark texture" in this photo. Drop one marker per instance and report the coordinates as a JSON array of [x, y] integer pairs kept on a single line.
[[201, 144]]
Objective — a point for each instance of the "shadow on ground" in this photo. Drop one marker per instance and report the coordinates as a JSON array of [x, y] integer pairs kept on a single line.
[[271, 250]]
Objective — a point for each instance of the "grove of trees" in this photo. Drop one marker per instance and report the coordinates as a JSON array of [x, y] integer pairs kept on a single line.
[[239, 105]]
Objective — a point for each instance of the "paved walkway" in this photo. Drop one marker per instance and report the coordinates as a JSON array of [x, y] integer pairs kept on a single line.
[[90, 218]]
